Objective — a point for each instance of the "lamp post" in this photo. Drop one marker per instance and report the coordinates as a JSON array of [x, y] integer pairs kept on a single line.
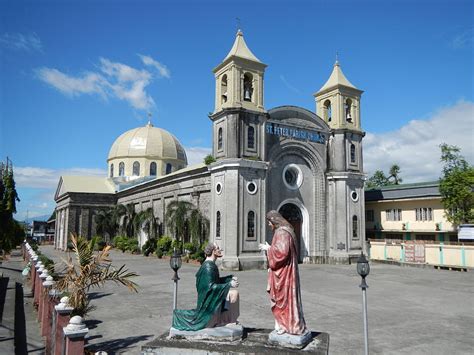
[[175, 263], [363, 270]]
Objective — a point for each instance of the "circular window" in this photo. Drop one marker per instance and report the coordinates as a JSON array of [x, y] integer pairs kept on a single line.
[[251, 188], [218, 188], [292, 176], [354, 196]]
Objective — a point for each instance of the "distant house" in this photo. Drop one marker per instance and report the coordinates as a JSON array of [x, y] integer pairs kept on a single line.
[[42, 231], [407, 212]]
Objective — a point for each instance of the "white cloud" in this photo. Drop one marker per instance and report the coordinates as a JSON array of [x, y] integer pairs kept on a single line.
[[34, 177], [162, 69], [19, 41], [89, 83], [113, 79], [464, 39], [415, 146], [196, 155], [288, 85]]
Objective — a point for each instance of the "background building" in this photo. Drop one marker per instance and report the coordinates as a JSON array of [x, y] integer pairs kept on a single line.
[[407, 212]]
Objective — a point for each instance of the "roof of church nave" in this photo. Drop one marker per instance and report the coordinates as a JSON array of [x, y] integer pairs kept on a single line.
[[149, 142]]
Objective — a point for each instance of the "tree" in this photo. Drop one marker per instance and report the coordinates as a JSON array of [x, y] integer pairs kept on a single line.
[[177, 218], [89, 270], [106, 223], [456, 186], [379, 179], [126, 214], [209, 159], [198, 227], [146, 221], [8, 200], [394, 174]]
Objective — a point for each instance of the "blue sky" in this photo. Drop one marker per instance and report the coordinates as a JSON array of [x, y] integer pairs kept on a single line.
[[74, 75]]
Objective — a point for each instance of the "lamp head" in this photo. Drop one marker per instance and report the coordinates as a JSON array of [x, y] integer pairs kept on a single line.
[[175, 261], [363, 267]]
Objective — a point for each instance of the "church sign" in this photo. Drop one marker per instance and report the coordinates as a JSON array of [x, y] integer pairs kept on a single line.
[[300, 134]]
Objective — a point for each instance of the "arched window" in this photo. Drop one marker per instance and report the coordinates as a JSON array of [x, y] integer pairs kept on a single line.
[[353, 153], [219, 139], [111, 170], [248, 87], [218, 225], [348, 110], [327, 110], [168, 168], [251, 137], [136, 168], [153, 168], [355, 234], [224, 89], [251, 225], [121, 169]]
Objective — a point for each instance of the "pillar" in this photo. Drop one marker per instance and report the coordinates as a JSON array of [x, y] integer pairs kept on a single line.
[[62, 315], [74, 334]]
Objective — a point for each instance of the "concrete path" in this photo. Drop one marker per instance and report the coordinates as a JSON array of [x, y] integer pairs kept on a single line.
[[410, 310], [28, 332]]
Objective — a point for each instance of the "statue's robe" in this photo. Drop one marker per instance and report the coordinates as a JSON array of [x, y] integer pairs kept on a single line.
[[212, 292], [284, 282]]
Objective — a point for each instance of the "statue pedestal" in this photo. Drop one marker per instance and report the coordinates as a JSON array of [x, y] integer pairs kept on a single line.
[[229, 332], [253, 341], [290, 340]]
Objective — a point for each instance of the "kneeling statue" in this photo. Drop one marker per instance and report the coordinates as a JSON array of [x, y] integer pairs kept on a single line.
[[217, 303]]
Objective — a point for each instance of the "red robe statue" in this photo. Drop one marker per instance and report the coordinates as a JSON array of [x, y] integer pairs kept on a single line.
[[284, 282]]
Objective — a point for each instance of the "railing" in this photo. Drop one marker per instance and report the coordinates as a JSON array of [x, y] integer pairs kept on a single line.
[[442, 254]]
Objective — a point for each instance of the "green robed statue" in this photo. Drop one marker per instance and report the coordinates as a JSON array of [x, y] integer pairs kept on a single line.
[[217, 303]]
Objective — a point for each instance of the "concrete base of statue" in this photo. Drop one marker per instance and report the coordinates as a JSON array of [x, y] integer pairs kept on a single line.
[[253, 341], [290, 340], [229, 332]]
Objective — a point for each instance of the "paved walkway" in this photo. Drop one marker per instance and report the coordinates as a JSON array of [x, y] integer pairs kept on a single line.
[[28, 331], [410, 310]]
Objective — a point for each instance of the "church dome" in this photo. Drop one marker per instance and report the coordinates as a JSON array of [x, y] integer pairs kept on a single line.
[[146, 151]]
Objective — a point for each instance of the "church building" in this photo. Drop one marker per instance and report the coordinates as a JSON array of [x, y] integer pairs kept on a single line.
[[306, 165]]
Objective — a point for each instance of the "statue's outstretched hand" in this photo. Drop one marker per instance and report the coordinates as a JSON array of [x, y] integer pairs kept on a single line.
[[265, 246]]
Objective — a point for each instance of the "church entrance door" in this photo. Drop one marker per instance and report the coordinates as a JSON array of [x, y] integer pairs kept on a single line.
[[292, 214]]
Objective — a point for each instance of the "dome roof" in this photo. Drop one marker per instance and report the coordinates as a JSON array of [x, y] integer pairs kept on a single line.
[[149, 142]]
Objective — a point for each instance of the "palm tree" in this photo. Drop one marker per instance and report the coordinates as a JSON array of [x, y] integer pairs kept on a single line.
[[106, 223], [127, 215], [90, 270], [393, 173], [198, 227], [177, 218], [146, 221]]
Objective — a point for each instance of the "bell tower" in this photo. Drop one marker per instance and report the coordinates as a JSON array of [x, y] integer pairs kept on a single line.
[[238, 174], [338, 104], [239, 79], [338, 101]]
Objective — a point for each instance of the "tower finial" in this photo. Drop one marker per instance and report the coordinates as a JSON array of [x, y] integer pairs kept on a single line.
[[149, 119], [238, 25], [337, 58]]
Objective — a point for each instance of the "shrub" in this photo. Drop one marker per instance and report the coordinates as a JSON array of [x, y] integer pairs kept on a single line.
[[176, 244], [209, 159], [159, 253], [149, 247], [199, 256], [164, 244], [132, 245], [189, 248], [121, 242]]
